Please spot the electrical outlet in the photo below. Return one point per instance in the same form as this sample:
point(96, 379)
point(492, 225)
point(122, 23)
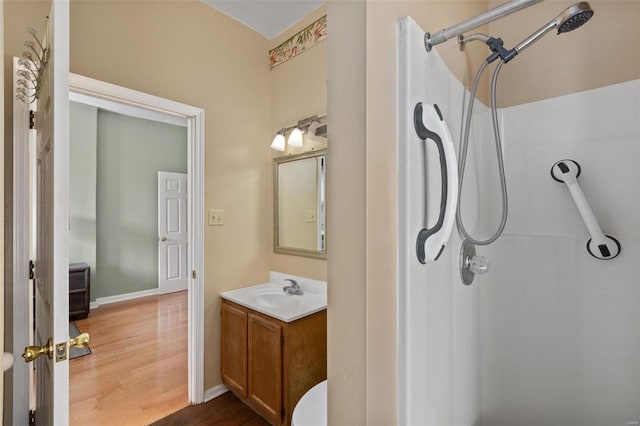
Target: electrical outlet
point(216, 217)
point(311, 216)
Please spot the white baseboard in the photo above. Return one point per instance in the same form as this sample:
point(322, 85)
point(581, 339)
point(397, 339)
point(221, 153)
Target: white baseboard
point(122, 297)
point(214, 392)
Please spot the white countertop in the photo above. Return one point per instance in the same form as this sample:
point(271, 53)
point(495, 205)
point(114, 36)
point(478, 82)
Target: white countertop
point(271, 300)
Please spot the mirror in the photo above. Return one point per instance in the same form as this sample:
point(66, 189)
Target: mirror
point(300, 204)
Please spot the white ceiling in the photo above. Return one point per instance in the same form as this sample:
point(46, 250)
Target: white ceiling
point(267, 17)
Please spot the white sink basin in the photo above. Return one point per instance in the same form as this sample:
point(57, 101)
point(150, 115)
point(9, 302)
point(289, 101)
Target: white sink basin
point(269, 299)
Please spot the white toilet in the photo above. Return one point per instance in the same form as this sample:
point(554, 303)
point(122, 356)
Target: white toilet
point(311, 410)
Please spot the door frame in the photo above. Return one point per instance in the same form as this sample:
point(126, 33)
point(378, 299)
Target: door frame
point(141, 105)
point(122, 100)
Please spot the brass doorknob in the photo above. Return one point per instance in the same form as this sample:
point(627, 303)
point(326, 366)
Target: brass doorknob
point(163, 239)
point(82, 341)
point(33, 352)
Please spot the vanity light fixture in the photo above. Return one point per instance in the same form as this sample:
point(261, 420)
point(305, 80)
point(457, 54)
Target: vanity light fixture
point(278, 142)
point(295, 138)
point(309, 125)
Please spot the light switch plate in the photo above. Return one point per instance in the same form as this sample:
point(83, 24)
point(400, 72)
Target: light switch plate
point(216, 217)
point(311, 216)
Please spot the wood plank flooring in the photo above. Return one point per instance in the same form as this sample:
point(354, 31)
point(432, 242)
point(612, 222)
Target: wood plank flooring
point(137, 373)
point(225, 410)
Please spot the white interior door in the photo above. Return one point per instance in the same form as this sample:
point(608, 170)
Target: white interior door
point(52, 283)
point(172, 232)
point(24, 142)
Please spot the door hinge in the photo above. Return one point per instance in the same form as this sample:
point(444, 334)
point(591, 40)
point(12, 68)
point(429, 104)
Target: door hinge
point(32, 119)
point(281, 340)
point(193, 274)
point(32, 270)
point(32, 417)
point(282, 412)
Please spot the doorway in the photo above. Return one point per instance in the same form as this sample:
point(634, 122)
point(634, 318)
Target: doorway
point(114, 231)
point(131, 102)
point(142, 105)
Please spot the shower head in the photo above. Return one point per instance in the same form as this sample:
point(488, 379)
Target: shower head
point(574, 17)
point(570, 19)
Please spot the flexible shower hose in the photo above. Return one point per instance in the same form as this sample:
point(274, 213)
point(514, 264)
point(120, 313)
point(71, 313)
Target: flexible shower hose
point(464, 144)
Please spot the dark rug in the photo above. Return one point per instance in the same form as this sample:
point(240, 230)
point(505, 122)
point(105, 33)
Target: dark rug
point(76, 352)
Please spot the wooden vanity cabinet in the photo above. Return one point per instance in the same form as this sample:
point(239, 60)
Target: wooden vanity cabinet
point(265, 366)
point(281, 360)
point(234, 348)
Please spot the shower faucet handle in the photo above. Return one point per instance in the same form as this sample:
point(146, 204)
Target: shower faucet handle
point(470, 264)
point(478, 264)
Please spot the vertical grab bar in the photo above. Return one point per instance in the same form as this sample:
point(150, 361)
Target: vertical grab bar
point(600, 246)
point(430, 125)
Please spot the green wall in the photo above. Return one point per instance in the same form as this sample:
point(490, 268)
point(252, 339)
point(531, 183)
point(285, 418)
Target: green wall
point(131, 151)
point(82, 185)
point(113, 205)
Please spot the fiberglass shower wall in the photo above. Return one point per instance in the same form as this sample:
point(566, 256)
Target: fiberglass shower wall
point(438, 328)
point(551, 336)
point(560, 329)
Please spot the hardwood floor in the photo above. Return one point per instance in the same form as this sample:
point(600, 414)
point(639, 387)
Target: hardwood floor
point(225, 410)
point(137, 373)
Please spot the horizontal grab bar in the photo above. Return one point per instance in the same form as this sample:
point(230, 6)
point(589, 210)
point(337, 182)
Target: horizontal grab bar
point(600, 246)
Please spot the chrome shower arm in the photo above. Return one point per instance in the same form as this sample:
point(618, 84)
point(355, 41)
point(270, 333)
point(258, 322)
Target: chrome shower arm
point(535, 36)
point(477, 21)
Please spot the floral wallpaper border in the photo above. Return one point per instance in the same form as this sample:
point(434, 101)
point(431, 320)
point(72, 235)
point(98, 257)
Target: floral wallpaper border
point(299, 42)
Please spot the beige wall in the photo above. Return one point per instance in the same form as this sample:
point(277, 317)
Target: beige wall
point(298, 90)
point(346, 216)
point(190, 53)
point(594, 55)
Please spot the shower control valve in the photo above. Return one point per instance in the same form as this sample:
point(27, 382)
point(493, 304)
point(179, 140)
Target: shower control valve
point(479, 265)
point(470, 264)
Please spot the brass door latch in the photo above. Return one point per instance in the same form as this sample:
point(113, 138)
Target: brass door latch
point(31, 353)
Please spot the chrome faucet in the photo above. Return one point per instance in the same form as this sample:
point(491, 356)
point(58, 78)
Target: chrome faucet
point(293, 289)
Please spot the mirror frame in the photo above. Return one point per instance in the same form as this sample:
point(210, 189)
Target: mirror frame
point(315, 254)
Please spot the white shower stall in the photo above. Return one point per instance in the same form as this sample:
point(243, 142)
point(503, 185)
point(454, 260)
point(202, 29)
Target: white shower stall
point(551, 335)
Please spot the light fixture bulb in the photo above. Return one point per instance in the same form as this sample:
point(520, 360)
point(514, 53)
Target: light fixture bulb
point(278, 142)
point(295, 138)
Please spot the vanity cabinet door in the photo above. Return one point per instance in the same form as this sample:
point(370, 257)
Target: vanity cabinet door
point(234, 348)
point(265, 366)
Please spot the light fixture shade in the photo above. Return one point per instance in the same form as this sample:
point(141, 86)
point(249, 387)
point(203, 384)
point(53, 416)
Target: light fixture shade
point(295, 138)
point(278, 142)
point(311, 132)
